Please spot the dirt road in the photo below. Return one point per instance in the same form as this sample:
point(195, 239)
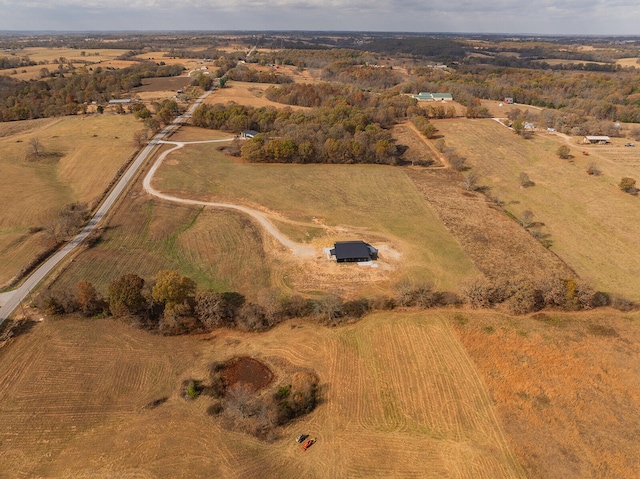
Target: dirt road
point(297, 248)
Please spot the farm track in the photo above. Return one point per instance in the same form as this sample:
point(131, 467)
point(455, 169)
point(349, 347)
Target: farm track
point(297, 248)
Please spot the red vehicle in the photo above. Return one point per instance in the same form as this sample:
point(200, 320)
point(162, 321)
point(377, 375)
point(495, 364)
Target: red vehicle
point(308, 443)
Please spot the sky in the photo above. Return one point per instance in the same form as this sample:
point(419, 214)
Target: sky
point(575, 17)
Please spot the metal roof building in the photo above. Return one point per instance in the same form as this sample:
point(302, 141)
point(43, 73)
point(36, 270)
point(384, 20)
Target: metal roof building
point(353, 251)
point(427, 96)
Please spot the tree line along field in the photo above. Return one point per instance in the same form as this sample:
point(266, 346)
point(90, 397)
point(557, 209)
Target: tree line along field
point(380, 415)
point(593, 225)
point(79, 158)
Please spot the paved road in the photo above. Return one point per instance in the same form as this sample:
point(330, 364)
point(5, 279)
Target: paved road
point(11, 302)
point(296, 248)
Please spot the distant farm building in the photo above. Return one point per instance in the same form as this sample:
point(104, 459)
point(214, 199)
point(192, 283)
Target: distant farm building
point(596, 140)
point(248, 134)
point(120, 102)
point(508, 101)
point(427, 96)
point(353, 252)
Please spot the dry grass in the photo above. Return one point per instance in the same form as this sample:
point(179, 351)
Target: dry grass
point(246, 93)
point(400, 398)
point(594, 226)
point(88, 153)
point(218, 249)
point(628, 62)
point(375, 203)
point(418, 148)
point(566, 387)
point(99, 57)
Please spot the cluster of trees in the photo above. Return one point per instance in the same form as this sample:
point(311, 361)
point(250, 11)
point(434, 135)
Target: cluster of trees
point(244, 73)
point(68, 95)
point(338, 134)
point(363, 76)
point(164, 111)
point(15, 62)
point(526, 295)
point(243, 409)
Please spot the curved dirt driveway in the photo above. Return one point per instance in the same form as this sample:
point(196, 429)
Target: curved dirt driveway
point(297, 248)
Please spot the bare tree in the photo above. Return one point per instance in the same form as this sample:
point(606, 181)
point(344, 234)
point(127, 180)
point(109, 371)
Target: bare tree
point(593, 169)
point(526, 219)
point(470, 181)
point(35, 146)
point(239, 396)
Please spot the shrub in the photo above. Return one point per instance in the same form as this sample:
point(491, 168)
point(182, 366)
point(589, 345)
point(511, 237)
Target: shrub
point(593, 169)
point(628, 185)
point(192, 390)
point(563, 152)
point(215, 409)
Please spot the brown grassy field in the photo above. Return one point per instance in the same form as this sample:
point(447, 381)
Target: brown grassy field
point(629, 62)
point(566, 387)
point(225, 250)
point(74, 397)
point(102, 57)
point(87, 152)
point(382, 206)
point(594, 226)
point(246, 93)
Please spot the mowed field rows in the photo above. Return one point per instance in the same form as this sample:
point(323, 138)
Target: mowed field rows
point(80, 156)
point(400, 398)
point(375, 203)
point(594, 227)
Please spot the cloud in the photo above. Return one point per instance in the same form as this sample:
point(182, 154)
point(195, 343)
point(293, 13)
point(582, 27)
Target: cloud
point(500, 16)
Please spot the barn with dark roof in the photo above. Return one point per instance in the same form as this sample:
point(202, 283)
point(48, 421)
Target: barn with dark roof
point(353, 252)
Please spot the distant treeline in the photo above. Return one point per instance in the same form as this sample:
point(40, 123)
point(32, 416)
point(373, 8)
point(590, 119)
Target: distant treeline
point(438, 49)
point(67, 95)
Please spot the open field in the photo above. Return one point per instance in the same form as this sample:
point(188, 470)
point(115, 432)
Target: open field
point(629, 62)
point(566, 387)
point(382, 206)
point(594, 226)
point(400, 398)
point(81, 156)
point(498, 111)
point(45, 56)
point(155, 89)
point(246, 93)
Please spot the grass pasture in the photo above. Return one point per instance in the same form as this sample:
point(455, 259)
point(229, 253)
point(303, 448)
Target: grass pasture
point(372, 202)
point(217, 249)
point(566, 387)
point(46, 56)
point(246, 93)
point(594, 226)
point(87, 384)
point(81, 156)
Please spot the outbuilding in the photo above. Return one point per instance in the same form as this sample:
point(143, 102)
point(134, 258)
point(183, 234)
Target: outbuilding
point(596, 140)
point(427, 96)
point(353, 251)
point(248, 134)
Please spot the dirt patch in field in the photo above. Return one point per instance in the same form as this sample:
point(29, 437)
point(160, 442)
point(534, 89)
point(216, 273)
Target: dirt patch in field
point(246, 370)
point(498, 246)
